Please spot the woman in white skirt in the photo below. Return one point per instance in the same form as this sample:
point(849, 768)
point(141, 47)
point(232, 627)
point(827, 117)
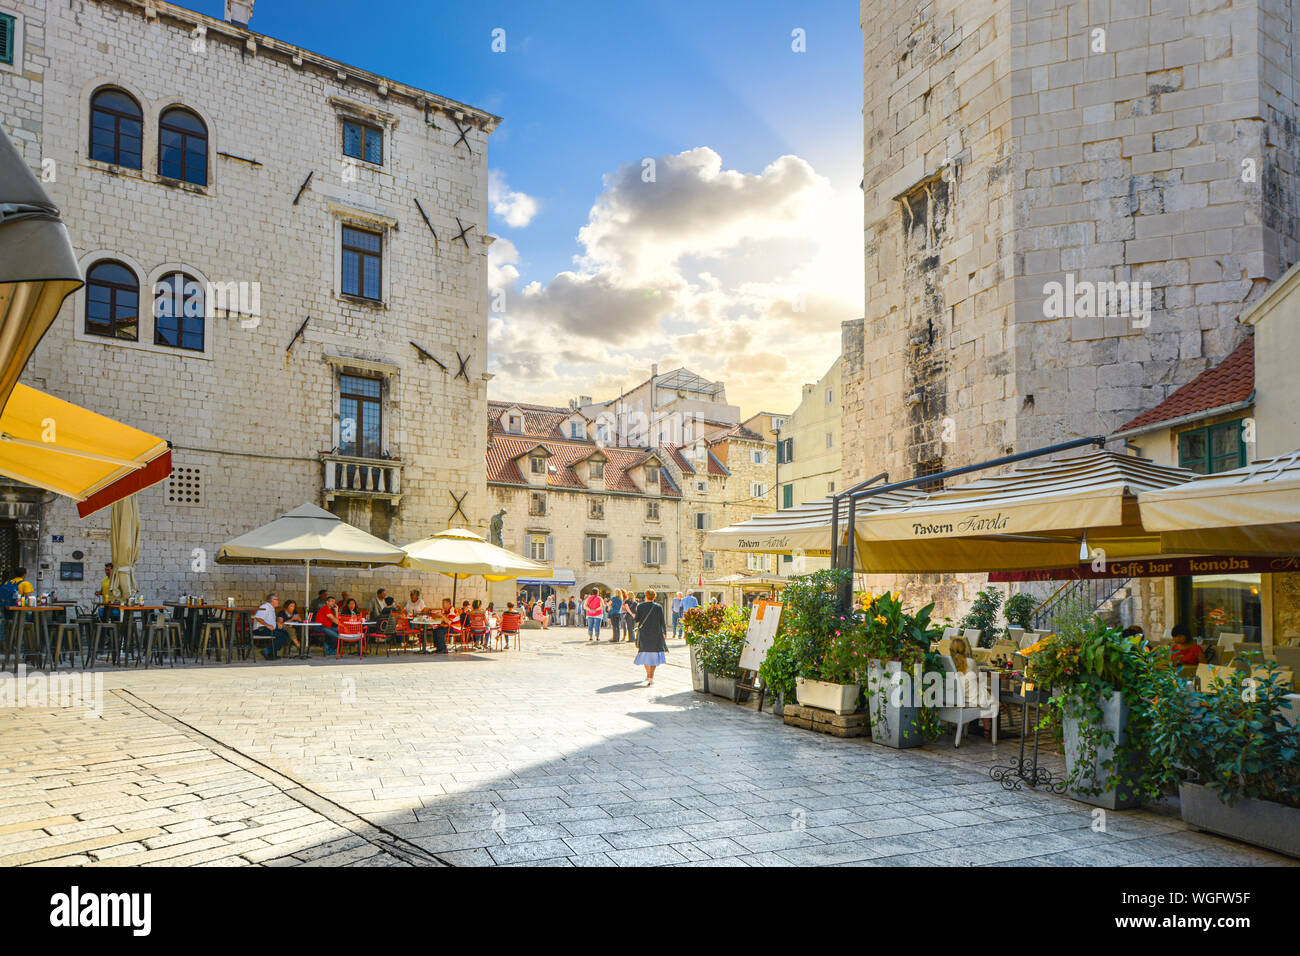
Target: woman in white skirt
point(651, 648)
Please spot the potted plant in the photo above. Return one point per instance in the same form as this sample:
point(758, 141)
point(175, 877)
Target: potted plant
point(1019, 611)
point(1236, 758)
point(780, 669)
point(1104, 690)
point(817, 636)
point(983, 615)
point(897, 650)
point(697, 623)
point(717, 636)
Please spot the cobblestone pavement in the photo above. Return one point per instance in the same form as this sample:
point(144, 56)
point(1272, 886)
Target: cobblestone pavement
point(552, 755)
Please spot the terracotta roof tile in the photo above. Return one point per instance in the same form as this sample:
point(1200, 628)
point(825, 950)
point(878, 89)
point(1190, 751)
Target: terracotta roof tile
point(1231, 381)
point(565, 454)
point(542, 421)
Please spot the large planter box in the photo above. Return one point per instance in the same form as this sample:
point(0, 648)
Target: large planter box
point(699, 680)
point(893, 726)
point(1114, 719)
point(722, 686)
point(1261, 822)
point(825, 722)
point(837, 698)
point(778, 704)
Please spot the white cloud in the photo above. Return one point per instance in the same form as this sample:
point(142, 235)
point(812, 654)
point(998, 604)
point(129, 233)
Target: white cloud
point(516, 209)
point(739, 276)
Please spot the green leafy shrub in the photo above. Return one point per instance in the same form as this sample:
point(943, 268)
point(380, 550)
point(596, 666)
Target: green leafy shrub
point(717, 632)
point(1232, 738)
point(1019, 610)
point(983, 615)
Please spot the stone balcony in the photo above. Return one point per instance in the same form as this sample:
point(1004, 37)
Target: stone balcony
point(346, 476)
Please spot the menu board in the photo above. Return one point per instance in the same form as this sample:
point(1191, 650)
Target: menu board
point(764, 617)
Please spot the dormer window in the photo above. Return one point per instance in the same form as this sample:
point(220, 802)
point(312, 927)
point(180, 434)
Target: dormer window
point(652, 474)
point(597, 468)
point(515, 423)
point(537, 464)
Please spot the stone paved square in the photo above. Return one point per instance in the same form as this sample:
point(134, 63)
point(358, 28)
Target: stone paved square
point(552, 755)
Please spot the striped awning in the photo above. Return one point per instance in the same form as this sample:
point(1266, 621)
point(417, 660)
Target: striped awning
point(1251, 510)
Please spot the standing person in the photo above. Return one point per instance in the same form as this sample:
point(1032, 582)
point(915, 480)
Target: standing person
point(594, 609)
point(652, 650)
point(550, 609)
point(629, 615)
point(327, 619)
point(562, 613)
point(265, 625)
point(689, 602)
point(573, 612)
point(616, 615)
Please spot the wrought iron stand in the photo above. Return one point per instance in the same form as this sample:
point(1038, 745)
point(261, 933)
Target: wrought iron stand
point(1024, 770)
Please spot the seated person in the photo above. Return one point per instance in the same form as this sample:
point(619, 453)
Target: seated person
point(511, 621)
point(1184, 652)
point(415, 605)
point(477, 622)
point(327, 619)
point(266, 625)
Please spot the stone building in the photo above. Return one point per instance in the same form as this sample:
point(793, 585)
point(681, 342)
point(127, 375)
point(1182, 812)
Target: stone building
point(808, 447)
point(1066, 205)
point(608, 516)
point(264, 287)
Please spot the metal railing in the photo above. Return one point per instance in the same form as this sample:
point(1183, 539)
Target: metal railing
point(1092, 591)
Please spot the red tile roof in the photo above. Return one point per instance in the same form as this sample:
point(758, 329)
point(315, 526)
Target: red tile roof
point(542, 421)
point(565, 454)
point(1229, 382)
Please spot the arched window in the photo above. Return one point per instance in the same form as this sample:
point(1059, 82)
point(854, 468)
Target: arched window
point(178, 312)
point(116, 128)
point(112, 301)
point(182, 146)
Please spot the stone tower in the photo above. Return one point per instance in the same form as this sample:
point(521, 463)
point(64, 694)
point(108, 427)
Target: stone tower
point(1010, 145)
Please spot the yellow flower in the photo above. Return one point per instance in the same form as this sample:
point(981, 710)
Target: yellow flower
point(1034, 648)
point(881, 619)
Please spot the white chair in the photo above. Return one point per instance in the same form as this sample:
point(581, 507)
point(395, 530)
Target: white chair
point(972, 635)
point(1016, 633)
point(950, 632)
point(957, 705)
point(1028, 639)
point(1228, 640)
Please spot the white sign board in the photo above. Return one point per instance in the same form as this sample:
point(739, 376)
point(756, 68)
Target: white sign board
point(764, 616)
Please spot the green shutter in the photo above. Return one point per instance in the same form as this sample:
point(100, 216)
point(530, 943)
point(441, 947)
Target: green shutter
point(7, 24)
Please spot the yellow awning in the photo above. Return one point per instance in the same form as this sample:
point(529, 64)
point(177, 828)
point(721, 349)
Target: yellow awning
point(1251, 510)
point(72, 451)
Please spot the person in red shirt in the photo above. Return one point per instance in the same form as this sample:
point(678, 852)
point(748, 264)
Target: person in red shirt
point(511, 622)
point(477, 621)
point(1185, 653)
point(327, 619)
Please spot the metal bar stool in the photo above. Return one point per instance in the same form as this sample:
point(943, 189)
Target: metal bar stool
point(72, 631)
point(211, 629)
point(156, 627)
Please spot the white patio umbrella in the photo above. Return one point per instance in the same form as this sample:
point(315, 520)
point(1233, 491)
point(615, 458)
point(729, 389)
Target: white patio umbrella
point(459, 553)
point(310, 535)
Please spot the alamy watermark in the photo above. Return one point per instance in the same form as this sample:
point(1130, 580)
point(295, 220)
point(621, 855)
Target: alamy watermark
point(42, 690)
point(178, 296)
point(1086, 299)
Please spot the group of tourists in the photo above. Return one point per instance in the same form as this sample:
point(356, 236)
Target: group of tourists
point(342, 617)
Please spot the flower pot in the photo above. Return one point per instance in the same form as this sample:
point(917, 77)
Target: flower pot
point(699, 681)
point(1273, 826)
point(722, 686)
point(893, 725)
point(1114, 719)
point(839, 698)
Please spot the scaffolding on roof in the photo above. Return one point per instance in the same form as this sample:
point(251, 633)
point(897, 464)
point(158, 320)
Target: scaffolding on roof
point(683, 379)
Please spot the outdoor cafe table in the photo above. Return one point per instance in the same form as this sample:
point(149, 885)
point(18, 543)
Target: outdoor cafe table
point(39, 614)
point(304, 644)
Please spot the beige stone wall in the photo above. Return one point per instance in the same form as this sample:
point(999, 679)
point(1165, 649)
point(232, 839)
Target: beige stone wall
point(251, 420)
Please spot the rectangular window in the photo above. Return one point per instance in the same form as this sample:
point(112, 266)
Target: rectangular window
point(537, 465)
point(597, 548)
point(362, 141)
point(363, 256)
point(830, 396)
point(536, 504)
point(538, 547)
point(830, 440)
point(654, 551)
point(757, 489)
point(515, 424)
point(703, 521)
point(830, 487)
point(8, 26)
point(652, 510)
point(597, 508)
point(932, 467)
point(360, 416)
point(758, 457)
point(787, 496)
point(597, 469)
point(651, 475)
point(702, 487)
point(1213, 449)
point(707, 558)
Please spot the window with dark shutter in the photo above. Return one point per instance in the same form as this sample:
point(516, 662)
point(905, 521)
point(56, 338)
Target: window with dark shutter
point(7, 28)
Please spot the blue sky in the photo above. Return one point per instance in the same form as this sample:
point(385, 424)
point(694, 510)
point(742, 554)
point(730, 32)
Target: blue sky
point(587, 87)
